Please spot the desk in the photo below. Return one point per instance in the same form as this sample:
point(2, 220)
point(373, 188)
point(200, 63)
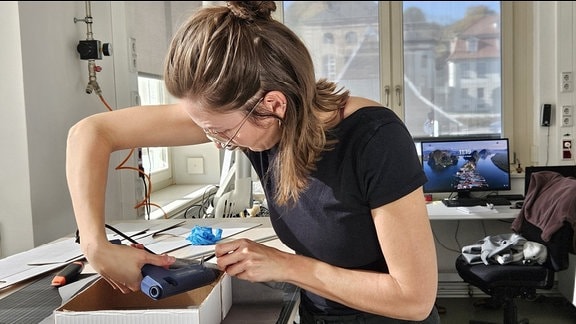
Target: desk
point(280, 306)
point(264, 233)
point(438, 211)
point(453, 229)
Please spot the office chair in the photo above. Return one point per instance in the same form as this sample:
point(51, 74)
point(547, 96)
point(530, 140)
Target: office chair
point(504, 283)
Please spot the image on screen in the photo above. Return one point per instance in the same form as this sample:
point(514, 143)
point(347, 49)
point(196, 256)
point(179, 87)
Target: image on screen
point(465, 165)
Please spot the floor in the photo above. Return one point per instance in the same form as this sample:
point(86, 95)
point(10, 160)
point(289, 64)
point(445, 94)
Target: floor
point(544, 310)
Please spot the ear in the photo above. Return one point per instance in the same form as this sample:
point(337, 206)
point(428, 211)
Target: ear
point(275, 101)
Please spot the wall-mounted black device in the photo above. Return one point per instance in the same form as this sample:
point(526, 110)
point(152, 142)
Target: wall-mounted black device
point(545, 115)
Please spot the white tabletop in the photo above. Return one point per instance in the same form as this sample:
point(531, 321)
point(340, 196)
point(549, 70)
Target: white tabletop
point(438, 211)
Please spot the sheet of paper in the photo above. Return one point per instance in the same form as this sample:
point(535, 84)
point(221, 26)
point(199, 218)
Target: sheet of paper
point(49, 257)
point(58, 252)
point(139, 230)
point(476, 210)
point(36, 261)
point(180, 234)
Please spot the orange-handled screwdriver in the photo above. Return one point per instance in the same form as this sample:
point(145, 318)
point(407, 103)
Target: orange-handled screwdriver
point(68, 274)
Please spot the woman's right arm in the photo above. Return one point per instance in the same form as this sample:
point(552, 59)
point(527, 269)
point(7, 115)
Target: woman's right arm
point(90, 143)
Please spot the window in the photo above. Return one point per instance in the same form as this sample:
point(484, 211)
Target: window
point(328, 38)
point(329, 64)
point(441, 45)
point(351, 38)
point(352, 56)
point(155, 160)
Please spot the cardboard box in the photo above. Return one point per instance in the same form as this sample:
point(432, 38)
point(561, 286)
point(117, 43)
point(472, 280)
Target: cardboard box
point(100, 303)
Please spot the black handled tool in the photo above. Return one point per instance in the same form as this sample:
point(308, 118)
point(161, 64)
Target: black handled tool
point(68, 274)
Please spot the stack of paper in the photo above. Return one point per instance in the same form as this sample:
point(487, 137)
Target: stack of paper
point(477, 209)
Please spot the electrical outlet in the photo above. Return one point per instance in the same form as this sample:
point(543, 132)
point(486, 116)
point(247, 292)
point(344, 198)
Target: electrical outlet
point(567, 117)
point(566, 82)
point(132, 55)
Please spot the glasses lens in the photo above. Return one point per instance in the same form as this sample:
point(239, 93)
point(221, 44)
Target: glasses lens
point(226, 143)
point(222, 142)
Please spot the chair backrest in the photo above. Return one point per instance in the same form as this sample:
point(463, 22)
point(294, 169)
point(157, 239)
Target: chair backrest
point(561, 243)
point(565, 170)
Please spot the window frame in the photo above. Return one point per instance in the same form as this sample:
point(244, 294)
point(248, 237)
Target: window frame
point(516, 59)
point(163, 177)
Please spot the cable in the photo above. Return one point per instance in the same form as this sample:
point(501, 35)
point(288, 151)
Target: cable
point(126, 237)
point(113, 229)
point(145, 203)
point(192, 206)
point(204, 203)
point(547, 146)
point(148, 202)
point(90, 50)
point(442, 244)
point(264, 212)
point(206, 200)
point(456, 235)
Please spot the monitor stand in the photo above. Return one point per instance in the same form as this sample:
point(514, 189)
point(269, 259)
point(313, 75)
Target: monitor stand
point(463, 199)
point(464, 195)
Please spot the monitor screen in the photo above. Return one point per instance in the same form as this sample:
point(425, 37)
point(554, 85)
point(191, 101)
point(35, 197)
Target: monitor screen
point(465, 165)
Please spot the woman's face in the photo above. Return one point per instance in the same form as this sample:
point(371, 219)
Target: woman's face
point(235, 129)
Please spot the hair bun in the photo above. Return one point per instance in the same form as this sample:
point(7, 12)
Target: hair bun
point(252, 10)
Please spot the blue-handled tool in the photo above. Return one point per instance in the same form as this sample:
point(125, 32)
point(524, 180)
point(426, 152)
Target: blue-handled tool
point(183, 276)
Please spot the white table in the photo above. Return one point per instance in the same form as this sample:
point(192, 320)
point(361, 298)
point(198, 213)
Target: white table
point(438, 211)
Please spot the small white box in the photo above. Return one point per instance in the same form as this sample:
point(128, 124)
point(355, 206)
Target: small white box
point(101, 304)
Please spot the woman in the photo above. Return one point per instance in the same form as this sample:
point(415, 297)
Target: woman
point(340, 173)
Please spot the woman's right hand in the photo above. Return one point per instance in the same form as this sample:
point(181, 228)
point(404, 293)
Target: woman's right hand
point(121, 264)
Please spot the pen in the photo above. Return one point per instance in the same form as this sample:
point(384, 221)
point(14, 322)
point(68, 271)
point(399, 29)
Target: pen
point(68, 274)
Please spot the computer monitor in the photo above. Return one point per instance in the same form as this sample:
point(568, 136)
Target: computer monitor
point(463, 166)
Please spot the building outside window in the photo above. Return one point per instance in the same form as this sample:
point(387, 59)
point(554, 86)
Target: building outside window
point(442, 42)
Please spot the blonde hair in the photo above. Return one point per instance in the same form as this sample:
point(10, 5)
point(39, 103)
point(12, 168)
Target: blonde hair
point(228, 57)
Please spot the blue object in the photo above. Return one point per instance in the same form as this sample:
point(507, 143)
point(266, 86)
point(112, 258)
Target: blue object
point(160, 283)
point(201, 235)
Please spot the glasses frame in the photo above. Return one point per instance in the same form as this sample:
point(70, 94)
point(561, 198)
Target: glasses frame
point(227, 142)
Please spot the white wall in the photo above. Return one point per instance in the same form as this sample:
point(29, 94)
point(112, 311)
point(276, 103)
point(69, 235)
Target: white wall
point(43, 95)
point(163, 19)
point(15, 214)
point(554, 53)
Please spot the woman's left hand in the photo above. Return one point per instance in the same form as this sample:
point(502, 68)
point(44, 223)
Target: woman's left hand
point(252, 261)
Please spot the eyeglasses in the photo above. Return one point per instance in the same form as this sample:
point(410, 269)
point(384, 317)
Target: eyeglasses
point(224, 141)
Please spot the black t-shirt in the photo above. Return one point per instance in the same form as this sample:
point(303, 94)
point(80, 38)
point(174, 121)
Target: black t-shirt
point(374, 163)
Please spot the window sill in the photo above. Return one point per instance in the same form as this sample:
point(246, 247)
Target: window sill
point(175, 199)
